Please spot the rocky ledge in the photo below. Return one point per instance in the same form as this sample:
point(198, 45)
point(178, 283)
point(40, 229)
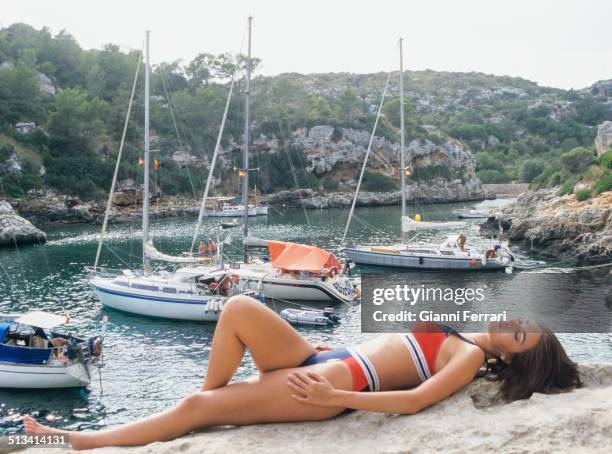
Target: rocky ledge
point(473, 420)
point(45, 207)
point(16, 230)
point(560, 226)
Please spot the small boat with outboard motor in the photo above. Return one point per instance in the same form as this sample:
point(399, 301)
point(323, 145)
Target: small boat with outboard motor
point(33, 355)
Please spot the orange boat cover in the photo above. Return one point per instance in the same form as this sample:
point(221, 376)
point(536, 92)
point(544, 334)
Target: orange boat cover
point(300, 257)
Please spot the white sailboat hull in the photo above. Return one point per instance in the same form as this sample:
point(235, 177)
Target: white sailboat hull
point(409, 225)
point(202, 308)
point(264, 279)
point(305, 291)
point(29, 376)
point(422, 262)
point(230, 213)
point(473, 215)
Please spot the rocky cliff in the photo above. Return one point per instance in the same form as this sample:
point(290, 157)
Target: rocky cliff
point(16, 230)
point(562, 227)
point(338, 153)
point(603, 141)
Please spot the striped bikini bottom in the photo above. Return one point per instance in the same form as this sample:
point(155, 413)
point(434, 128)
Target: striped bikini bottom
point(363, 373)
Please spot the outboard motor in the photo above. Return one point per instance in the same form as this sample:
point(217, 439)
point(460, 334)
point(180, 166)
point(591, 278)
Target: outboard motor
point(95, 346)
point(347, 267)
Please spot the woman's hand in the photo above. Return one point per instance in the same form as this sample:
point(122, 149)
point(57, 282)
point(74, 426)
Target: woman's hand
point(311, 388)
point(322, 348)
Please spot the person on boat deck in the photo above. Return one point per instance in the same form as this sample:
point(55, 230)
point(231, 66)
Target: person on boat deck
point(202, 249)
point(492, 251)
point(298, 381)
point(41, 340)
point(461, 242)
point(212, 247)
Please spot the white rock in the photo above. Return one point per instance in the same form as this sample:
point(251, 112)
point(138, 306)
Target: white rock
point(603, 141)
point(16, 230)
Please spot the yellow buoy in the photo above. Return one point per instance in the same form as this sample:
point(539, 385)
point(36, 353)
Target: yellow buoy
point(417, 218)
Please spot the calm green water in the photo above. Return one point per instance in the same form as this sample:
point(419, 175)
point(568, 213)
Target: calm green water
point(150, 364)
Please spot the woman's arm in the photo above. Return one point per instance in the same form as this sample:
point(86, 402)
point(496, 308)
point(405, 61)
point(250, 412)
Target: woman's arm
point(314, 389)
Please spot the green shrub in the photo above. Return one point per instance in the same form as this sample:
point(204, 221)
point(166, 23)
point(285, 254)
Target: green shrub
point(583, 194)
point(329, 184)
point(6, 150)
point(531, 169)
point(17, 184)
point(577, 160)
point(605, 160)
point(491, 176)
point(568, 186)
point(377, 182)
point(603, 184)
point(485, 161)
point(430, 172)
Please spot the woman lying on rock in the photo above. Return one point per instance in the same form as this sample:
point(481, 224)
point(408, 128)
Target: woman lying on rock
point(300, 382)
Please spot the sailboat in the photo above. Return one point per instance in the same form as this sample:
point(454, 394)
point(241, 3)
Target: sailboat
point(295, 271)
point(198, 289)
point(33, 355)
point(198, 297)
point(451, 254)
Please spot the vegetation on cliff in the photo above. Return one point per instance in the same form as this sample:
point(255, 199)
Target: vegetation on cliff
point(77, 99)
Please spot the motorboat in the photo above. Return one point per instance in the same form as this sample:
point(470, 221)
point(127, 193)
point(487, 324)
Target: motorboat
point(231, 211)
point(35, 356)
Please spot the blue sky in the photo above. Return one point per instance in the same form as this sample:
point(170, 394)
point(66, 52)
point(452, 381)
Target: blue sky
point(563, 43)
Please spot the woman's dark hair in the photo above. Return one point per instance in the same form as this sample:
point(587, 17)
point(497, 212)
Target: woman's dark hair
point(545, 368)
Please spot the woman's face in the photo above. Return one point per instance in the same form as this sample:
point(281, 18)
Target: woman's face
point(513, 336)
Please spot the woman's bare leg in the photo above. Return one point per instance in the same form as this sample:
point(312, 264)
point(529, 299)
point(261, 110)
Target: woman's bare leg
point(247, 323)
point(262, 399)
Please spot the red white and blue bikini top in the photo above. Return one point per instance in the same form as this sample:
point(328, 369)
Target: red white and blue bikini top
point(424, 341)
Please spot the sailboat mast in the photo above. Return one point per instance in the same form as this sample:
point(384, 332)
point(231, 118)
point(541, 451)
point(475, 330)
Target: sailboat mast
point(245, 159)
point(403, 132)
point(145, 201)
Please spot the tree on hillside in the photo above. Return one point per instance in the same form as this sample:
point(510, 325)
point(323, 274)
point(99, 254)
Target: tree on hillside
point(205, 68)
point(76, 119)
point(531, 169)
point(348, 106)
point(200, 70)
point(391, 110)
point(19, 94)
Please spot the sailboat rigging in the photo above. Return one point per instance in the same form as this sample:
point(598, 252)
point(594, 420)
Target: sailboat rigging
point(450, 254)
point(200, 297)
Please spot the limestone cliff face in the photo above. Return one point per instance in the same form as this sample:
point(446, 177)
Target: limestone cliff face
point(603, 141)
point(339, 153)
